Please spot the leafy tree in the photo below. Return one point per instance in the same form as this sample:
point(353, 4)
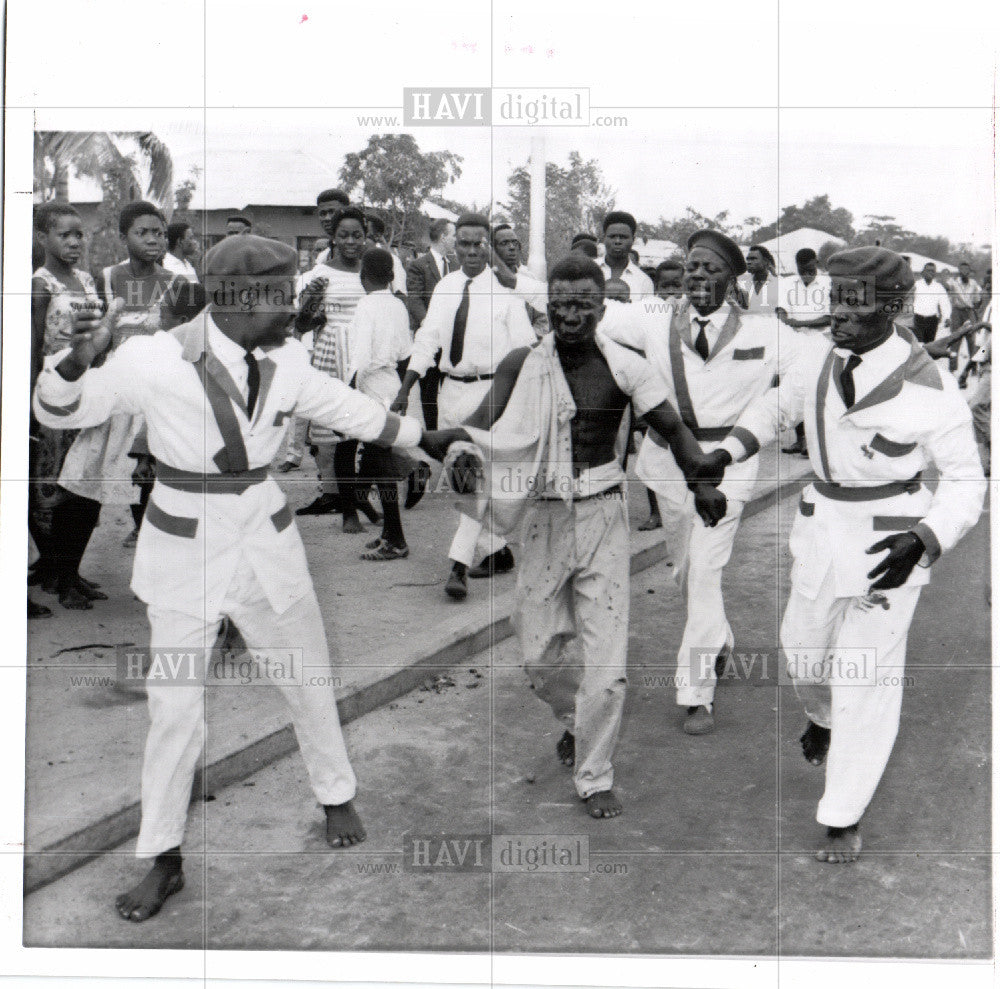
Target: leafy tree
point(94, 154)
point(117, 162)
point(184, 192)
point(576, 198)
point(816, 213)
point(393, 174)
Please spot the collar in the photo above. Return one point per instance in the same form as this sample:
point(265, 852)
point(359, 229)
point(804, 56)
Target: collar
point(716, 320)
point(889, 354)
point(228, 351)
point(202, 334)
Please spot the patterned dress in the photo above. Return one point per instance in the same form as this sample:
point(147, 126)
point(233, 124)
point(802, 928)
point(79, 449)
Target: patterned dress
point(98, 465)
point(331, 349)
point(49, 447)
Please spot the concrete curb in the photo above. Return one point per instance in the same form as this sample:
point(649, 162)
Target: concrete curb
point(59, 858)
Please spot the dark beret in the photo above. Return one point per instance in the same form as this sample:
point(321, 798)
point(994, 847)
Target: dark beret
point(887, 271)
point(720, 244)
point(251, 255)
point(473, 220)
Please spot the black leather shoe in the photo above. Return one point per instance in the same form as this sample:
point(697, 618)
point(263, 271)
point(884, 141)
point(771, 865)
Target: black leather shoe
point(502, 561)
point(325, 504)
point(457, 587)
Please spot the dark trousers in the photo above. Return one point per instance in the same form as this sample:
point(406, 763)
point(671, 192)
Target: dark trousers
point(73, 522)
point(376, 468)
point(959, 317)
point(925, 328)
point(138, 511)
point(345, 471)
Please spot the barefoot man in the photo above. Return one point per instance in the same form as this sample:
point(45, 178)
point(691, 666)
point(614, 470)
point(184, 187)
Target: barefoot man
point(544, 440)
point(877, 412)
point(219, 538)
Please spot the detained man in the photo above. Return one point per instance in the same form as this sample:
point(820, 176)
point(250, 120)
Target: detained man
point(543, 444)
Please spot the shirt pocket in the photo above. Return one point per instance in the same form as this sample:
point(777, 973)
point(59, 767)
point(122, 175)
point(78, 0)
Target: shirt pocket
point(890, 448)
point(748, 354)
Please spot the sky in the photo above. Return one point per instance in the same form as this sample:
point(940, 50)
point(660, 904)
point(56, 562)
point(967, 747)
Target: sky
point(749, 162)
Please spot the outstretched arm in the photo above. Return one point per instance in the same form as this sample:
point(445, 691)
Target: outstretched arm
point(436, 443)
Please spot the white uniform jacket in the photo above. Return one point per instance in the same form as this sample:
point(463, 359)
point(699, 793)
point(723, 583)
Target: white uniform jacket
point(213, 503)
point(869, 459)
point(709, 395)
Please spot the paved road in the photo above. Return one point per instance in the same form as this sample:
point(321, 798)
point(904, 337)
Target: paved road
point(713, 853)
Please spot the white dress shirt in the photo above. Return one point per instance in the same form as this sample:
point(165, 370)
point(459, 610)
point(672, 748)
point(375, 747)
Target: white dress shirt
point(638, 282)
point(180, 266)
point(805, 301)
point(931, 299)
point(439, 260)
point(497, 324)
point(379, 340)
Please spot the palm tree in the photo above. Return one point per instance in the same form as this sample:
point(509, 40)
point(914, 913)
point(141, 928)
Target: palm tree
point(94, 155)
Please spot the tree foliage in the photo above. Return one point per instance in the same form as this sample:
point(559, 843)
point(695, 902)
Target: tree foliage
point(94, 154)
point(394, 175)
point(816, 213)
point(576, 199)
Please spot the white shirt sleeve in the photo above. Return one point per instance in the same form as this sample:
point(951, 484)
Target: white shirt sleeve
point(329, 402)
point(636, 377)
point(958, 498)
point(778, 408)
point(519, 329)
point(435, 329)
point(532, 291)
point(100, 392)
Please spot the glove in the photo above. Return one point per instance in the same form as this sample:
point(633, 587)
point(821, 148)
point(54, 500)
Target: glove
point(905, 550)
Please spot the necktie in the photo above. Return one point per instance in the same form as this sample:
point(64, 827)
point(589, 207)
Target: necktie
point(701, 341)
point(458, 333)
point(253, 382)
point(445, 269)
point(847, 379)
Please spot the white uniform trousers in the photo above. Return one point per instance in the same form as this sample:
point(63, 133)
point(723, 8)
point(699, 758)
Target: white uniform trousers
point(177, 713)
point(705, 553)
point(571, 619)
point(846, 657)
point(457, 400)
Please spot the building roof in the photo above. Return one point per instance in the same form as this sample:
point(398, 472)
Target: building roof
point(786, 246)
point(652, 251)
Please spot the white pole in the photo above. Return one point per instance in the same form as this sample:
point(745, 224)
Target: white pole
point(536, 222)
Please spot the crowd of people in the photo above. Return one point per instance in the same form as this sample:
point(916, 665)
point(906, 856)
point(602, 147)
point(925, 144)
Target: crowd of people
point(157, 386)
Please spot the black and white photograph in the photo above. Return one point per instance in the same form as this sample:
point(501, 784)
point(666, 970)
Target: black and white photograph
point(502, 497)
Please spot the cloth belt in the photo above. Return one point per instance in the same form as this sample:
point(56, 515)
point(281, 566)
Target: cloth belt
point(615, 492)
point(840, 492)
point(468, 379)
point(189, 480)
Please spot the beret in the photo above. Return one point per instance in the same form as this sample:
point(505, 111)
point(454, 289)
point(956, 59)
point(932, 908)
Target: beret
point(251, 255)
point(887, 271)
point(473, 220)
point(720, 244)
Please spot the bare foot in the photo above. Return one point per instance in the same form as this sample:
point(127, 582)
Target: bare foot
point(566, 749)
point(352, 524)
point(145, 900)
point(73, 598)
point(343, 826)
point(815, 743)
point(842, 845)
point(604, 804)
